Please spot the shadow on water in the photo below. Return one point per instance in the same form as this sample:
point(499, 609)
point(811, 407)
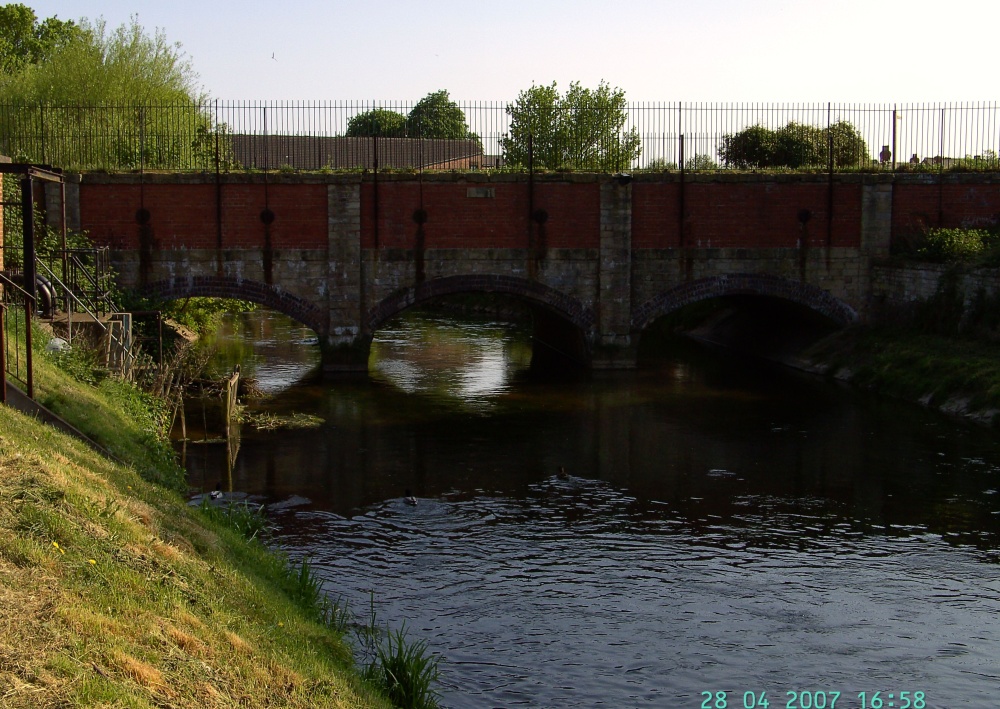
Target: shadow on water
point(723, 522)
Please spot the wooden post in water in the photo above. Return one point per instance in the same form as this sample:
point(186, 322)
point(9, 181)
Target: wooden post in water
point(232, 435)
point(232, 386)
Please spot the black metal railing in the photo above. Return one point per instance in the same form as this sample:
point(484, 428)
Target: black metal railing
point(346, 135)
point(15, 334)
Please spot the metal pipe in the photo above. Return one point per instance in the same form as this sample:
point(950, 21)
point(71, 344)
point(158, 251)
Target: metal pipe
point(531, 192)
point(680, 198)
point(218, 197)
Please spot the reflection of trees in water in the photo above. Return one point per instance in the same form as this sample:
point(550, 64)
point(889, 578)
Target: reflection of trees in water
point(259, 341)
point(460, 359)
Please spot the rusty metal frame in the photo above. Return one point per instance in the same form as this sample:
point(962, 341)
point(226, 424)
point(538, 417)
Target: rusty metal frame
point(29, 172)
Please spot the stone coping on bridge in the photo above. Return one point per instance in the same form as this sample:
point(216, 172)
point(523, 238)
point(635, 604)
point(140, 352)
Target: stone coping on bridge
point(354, 177)
point(332, 177)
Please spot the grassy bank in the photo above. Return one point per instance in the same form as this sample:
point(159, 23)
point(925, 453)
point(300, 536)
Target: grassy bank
point(957, 376)
point(113, 591)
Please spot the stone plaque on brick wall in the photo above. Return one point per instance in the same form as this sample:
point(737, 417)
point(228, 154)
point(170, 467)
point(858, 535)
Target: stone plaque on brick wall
point(481, 192)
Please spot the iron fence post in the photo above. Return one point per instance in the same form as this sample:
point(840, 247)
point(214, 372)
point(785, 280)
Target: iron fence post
point(41, 124)
point(895, 121)
point(3, 353)
point(28, 357)
point(28, 226)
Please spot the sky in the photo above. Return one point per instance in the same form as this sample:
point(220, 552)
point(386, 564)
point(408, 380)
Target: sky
point(870, 51)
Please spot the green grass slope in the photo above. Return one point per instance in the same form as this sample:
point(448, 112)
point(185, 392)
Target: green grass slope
point(115, 592)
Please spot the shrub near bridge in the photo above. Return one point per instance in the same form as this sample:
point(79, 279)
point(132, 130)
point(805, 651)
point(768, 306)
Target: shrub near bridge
point(958, 245)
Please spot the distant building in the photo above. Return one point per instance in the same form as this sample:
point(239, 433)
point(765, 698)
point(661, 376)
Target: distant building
point(303, 152)
point(944, 163)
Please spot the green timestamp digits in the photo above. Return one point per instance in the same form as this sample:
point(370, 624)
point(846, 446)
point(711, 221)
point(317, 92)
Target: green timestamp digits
point(901, 700)
point(816, 700)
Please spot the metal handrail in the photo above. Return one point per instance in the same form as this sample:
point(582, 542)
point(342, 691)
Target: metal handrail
point(130, 357)
point(70, 293)
point(75, 259)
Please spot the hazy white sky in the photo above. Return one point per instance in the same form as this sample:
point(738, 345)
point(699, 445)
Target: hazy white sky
point(694, 50)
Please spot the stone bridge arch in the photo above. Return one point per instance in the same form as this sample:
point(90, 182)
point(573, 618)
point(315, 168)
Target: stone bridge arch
point(567, 307)
point(309, 314)
point(774, 286)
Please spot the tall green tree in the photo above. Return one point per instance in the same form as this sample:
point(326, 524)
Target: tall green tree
point(24, 40)
point(849, 148)
point(134, 91)
point(798, 145)
point(125, 65)
point(378, 122)
point(583, 129)
point(437, 116)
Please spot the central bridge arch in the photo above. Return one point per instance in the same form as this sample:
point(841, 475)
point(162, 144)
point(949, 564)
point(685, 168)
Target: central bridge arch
point(804, 294)
point(240, 289)
point(556, 302)
point(563, 326)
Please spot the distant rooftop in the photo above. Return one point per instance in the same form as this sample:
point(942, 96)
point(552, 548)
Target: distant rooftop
point(302, 152)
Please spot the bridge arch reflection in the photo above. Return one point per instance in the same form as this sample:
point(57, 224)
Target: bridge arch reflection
point(563, 326)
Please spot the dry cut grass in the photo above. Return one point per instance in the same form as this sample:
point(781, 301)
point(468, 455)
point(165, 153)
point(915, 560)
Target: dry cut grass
point(113, 592)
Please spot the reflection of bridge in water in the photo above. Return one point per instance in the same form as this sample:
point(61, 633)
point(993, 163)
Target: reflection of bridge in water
point(597, 257)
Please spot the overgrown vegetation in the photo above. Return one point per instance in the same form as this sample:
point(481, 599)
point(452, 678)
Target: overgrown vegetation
point(48, 241)
point(404, 670)
point(943, 352)
point(961, 376)
point(267, 421)
point(200, 315)
point(969, 247)
point(58, 78)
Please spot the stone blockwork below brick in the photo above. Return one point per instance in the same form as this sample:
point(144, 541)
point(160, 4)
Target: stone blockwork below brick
point(605, 254)
point(899, 287)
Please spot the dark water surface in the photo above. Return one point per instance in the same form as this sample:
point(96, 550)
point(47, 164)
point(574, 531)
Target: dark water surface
point(725, 526)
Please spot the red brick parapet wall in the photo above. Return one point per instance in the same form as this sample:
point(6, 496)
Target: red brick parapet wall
point(721, 210)
point(184, 215)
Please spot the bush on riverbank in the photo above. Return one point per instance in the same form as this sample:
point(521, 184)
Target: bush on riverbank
point(113, 591)
point(958, 376)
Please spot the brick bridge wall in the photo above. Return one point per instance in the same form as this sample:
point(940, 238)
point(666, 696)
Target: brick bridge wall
point(343, 253)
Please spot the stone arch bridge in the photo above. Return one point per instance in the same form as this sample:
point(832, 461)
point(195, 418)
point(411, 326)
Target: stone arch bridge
point(598, 257)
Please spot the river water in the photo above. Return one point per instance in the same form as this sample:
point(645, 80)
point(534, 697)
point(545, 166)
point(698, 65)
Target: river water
point(721, 526)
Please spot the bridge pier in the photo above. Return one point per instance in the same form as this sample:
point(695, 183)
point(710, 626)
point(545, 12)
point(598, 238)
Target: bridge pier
point(345, 345)
point(345, 357)
point(613, 347)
